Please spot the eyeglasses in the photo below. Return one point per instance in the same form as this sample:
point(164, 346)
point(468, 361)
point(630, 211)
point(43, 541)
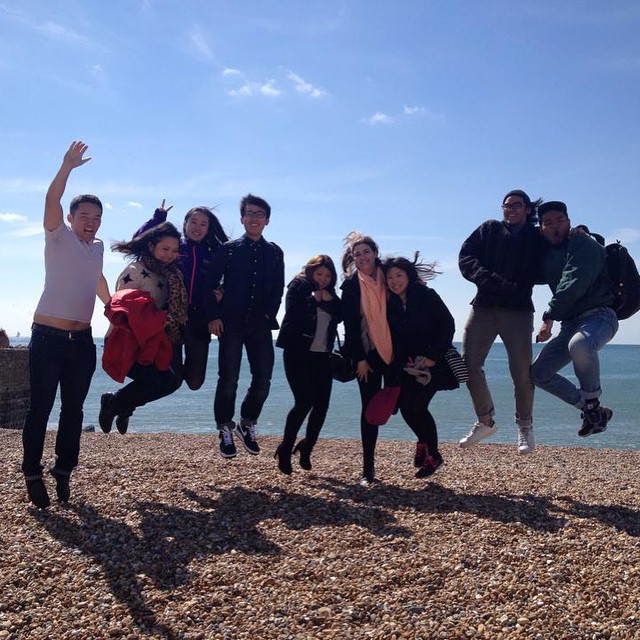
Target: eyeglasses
point(260, 215)
point(516, 206)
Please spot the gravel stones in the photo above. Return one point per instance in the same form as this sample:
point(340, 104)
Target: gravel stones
point(164, 539)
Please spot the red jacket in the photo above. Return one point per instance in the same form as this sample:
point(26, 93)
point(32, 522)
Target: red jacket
point(136, 334)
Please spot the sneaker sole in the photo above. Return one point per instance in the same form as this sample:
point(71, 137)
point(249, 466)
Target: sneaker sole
point(228, 456)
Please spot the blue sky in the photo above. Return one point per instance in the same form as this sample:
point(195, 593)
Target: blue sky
point(407, 120)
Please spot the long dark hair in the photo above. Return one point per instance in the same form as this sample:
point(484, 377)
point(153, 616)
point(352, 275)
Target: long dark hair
point(416, 270)
point(142, 246)
point(215, 233)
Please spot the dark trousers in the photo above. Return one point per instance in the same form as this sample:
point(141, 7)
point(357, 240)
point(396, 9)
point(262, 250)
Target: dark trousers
point(309, 376)
point(368, 431)
point(193, 368)
point(414, 406)
point(147, 384)
point(68, 360)
point(259, 347)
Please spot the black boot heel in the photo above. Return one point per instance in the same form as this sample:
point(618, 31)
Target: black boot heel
point(284, 461)
point(305, 454)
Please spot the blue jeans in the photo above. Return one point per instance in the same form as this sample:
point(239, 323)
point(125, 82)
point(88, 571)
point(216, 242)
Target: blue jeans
point(258, 343)
point(62, 358)
point(579, 341)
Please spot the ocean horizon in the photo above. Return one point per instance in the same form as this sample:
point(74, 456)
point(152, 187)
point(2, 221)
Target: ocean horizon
point(555, 423)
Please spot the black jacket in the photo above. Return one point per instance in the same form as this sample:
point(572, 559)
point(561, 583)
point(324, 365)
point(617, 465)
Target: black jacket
point(424, 327)
point(301, 313)
point(232, 265)
point(352, 315)
point(503, 265)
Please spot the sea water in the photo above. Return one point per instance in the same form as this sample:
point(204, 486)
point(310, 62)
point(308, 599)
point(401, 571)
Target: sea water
point(555, 422)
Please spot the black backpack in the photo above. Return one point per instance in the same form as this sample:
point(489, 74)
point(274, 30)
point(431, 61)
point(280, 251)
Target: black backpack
point(625, 279)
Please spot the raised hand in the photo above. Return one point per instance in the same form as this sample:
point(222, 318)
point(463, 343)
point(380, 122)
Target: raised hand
point(163, 208)
point(74, 156)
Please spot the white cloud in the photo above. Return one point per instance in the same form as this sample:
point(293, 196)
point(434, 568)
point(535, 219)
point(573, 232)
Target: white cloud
point(200, 46)
point(378, 118)
point(250, 89)
point(28, 231)
point(228, 73)
point(135, 205)
point(50, 29)
point(12, 217)
point(412, 111)
point(302, 86)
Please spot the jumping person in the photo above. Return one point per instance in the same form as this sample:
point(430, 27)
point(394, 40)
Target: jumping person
point(307, 335)
point(575, 269)
point(503, 258)
point(153, 269)
point(61, 351)
point(251, 273)
point(202, 236)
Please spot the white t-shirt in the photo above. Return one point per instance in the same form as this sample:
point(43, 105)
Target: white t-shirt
point(72, 269)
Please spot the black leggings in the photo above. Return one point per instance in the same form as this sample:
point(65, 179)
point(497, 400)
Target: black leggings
point(414, 406)
point(309, 376)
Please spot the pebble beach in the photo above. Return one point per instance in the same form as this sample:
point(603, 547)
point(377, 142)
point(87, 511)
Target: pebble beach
point(164, 539)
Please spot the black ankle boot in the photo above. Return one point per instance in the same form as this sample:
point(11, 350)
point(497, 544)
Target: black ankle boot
point(305, 454)
point(284, 460)
point(63, 491)
point(37, 491)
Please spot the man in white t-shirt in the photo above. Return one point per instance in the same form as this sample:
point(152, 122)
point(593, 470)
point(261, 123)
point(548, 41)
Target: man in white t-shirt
point(62, 352)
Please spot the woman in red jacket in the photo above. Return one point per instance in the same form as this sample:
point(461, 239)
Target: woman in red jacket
point(153, 269)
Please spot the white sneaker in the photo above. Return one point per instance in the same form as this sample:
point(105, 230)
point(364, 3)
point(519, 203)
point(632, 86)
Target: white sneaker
point(525, 439)
point(478, 432)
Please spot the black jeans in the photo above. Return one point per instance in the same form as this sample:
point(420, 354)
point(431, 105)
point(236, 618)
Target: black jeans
point(67, 359)
point(147, 384)
point(309, 376)
point(258, 343)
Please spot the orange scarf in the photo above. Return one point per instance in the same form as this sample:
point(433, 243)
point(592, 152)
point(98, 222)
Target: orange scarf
point(373, 296)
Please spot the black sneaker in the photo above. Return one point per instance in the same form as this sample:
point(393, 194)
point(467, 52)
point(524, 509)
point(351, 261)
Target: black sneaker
point(62, 484)
point(37, 491)
point(108, 411)
point(246, 429)
point(430, 465)
point(227, 447)
point(595, 421)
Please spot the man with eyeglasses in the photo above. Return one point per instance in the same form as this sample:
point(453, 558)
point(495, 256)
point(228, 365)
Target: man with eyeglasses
point(250, 271)
point(503, 258)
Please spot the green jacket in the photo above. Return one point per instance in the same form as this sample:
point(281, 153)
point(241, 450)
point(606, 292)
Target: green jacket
point(576, 271)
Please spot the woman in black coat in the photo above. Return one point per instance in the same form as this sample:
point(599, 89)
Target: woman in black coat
point(422, 330)
point(307, 334)
point(367, 343)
